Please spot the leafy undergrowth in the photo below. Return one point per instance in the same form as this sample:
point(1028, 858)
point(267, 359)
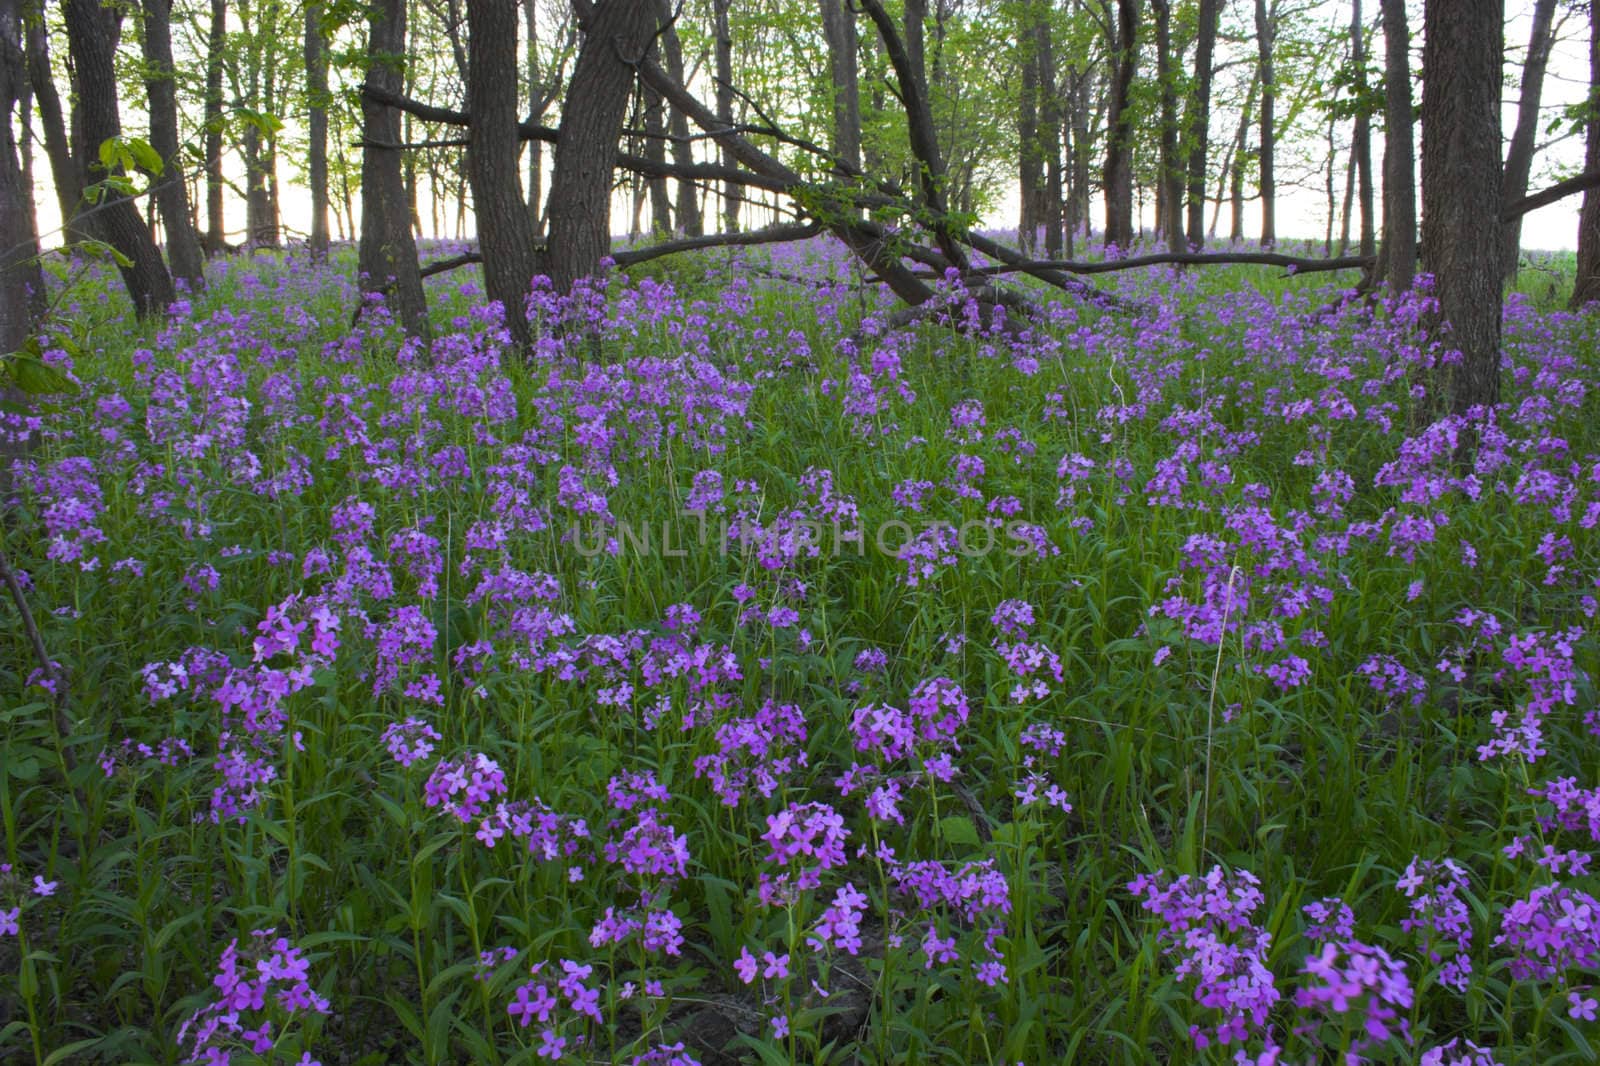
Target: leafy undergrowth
point(740, 679)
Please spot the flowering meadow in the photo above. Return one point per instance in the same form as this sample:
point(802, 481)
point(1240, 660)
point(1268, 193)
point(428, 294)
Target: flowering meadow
point(746, 676)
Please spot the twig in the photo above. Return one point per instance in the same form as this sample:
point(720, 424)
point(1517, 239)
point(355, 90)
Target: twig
point(52, 673)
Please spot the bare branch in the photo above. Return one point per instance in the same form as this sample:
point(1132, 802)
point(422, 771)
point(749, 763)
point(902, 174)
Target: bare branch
point(1014, 263)
point(1559, 191)
point(770, 235)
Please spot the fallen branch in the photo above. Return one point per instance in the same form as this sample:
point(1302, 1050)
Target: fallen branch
point(770, 235)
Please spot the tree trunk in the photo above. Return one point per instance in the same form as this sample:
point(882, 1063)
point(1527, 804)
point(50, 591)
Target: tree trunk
point(65, 168)
point(536, 94)
point(689, 220)
point(92, 33)
point(317, 97)
point(724, 97)
point(586, 149)
point(916, 17)
point(1118, 177)
point(1461, 181)
point(1361, 138)
point(1586, 286)
point(1519, 154)
point(839, 28)
point(269, 155)
point(1050, 136)
point(1267, 159)
point(1399, 165)
point(1200, 118)
point(505, 233)
point(1030, 155)
point(172, 190)
point(655, 149)
point(1081, 148)
point(1169, 216)
point(216, 48)
point(388, 255)
point(21, 283)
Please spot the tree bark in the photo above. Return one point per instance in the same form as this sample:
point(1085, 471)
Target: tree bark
point(724, 100)
point(1267, 160)
point(617, 32)
point(1050, 196)
point(172, 191)
point(92, 33)
point(536, 94)
point(1200, 118)
point(655, 149)
point(505, 233)
point(1118, 177)
point(1030, 154)
point(1361, 146)
point(21, 283)
point(1586, 286)
point(388, 253)
point(65, 167)
point(1519, 154)
point(1461, 182)
point(1169, 219)
point(216, 47)
point(1399, 161)
point(317, 97)
point(839, 29)
point(689, 220)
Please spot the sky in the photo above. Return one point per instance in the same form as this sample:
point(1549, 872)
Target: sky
point(1302, 209)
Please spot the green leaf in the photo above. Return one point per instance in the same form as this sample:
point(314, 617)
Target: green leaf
point(36, 377)
point(958, 829)
point(145, 157)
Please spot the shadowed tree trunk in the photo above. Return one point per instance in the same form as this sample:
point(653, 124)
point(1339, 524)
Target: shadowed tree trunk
point(615, 33)
point(216, 47)
point(317, 93)
point(724, 97)
point(1399, 161)
point(1519, 154)
point(1586, 287)
point(1030, 154)
point(1170, 216)
point(1118, 178)
point(655, 149)
point(1461, 244)
point(689, 220)
point(92, 33)
point(21, 283)
point(65, 168)
point(505, 233)
point(839, 29)
point(1050, 196)
point(388, 254)
point(1361, 138)
point(916, 19)
point(1267, 160)
point(536, 93)
point(172, 190)
point(1200, 118)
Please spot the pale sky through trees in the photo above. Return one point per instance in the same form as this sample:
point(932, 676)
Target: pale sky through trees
point(1302, 199)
